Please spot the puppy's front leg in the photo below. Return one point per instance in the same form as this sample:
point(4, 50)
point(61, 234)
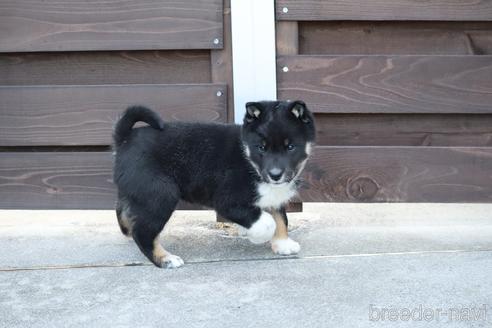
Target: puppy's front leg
point(281, 243)
point(259, 225)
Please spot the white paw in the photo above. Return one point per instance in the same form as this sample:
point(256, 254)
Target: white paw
point(285, 246)
point(262, 230)
point(172, 262)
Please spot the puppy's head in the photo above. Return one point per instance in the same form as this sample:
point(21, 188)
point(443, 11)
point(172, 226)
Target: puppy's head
point(277, 138)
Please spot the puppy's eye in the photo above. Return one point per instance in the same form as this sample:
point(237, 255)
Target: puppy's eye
point(291, 147)
point(261, 148)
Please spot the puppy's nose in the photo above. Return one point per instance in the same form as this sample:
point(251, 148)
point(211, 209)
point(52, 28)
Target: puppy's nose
point(275, 173)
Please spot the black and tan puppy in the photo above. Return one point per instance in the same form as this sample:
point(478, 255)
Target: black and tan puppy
point(246, 173)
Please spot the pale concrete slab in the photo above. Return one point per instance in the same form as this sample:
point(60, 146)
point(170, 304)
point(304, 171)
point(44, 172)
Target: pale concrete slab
point(70, 269)
point(47, 238)
point(322, 292)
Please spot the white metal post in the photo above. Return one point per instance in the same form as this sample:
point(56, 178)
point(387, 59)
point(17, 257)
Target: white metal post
point(253, 53)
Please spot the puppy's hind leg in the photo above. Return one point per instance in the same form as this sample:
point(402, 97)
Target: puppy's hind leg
point(148, 222)
point(123, 218)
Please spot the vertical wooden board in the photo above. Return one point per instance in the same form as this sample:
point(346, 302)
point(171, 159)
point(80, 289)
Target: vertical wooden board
point(108, 67)
point(399, 174)
point(221, 63)
point(438, 10)
point(388, 84)
point(294, 207)
point(85, 115)
point(115, 25)
point(287, 34)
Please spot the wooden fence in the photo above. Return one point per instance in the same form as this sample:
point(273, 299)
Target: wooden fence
point(69, 68)
point(402, 92)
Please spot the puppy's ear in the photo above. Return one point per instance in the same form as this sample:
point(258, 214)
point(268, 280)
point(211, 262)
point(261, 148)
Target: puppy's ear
point(299, 110)
point(253, 112)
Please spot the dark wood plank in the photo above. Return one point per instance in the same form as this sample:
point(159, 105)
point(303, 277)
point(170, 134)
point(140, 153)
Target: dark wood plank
point(395, 38)
point(115, 25)
point(115, 67)
point(84, 115)
point(56, 180)
point(59, 180)
point(343, 174)
point(404, 130)
point(388, 84)
point(294, 207)
point(455, 10)
point(399, 174)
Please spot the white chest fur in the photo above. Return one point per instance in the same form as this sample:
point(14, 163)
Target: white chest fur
point(274, 196)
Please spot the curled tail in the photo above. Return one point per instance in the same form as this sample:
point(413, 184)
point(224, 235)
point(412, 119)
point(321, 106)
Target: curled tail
point(131, 116)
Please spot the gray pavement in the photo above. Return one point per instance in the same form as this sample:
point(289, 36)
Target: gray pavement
point(358, 264)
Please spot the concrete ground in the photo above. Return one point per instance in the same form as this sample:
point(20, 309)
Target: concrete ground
point(375, 265)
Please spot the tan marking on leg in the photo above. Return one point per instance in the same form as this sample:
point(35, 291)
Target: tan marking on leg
point(126, 221)
point(159, 253)
point(280, 229)
point(281, 243)
point(163, 258)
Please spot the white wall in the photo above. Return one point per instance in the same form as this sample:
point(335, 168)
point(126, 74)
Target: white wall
point(253, 52)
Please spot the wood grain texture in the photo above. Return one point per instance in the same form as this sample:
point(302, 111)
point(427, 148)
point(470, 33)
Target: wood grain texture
point(115, 25)
point(115, 67)
point(84, 115)
point(399, 174)
point(344, 174)
point(59, 180)
point(395, 38)
point(56, 180)
point(444, 10)
point(388, 84)
point(465, 130)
